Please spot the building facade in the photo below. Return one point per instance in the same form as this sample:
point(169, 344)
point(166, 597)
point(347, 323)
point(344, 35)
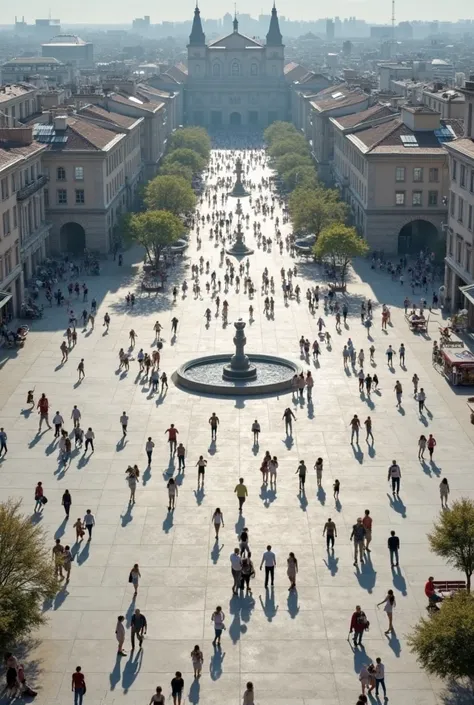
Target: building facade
point(236, 81)
point(24, 230)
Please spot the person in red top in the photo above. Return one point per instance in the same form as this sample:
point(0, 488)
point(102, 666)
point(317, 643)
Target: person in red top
point(359, 624)
point(39, 496)
point(431, 445)
point(43, 408)
point(430, 591)
point(78, 686)
point(172, 435)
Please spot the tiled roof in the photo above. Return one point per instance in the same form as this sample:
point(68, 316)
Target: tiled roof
point(14, 91)
point(375, 112)
point(142, 102)
point(464, 145)
point(386, 137)
point(99, 113)
point(32, 60)
point(326, 100)
point(11, 154)
point(96, 136)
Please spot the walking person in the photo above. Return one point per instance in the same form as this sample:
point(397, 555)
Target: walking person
point(358, 536)
point(197, 659)
point(89, 436)
point(415, 379)
point(389, 353)
point(301, 472)
point(395, 474)
point(248, 572)
point(81, 370)
point(421, 447)
point(368, 430)
point(39, 497)
point(66, 501)
point(3, 442)
point(78, 526)
point(367, 524)
point(236, 569)
point(269, 560)
point(355, 426)
point(318, 466)
point(421, 398)
point(181, 454)
point(444, 492)
point(398, 393)
point(201, 466)
point(124, 423)
point(359, 623)
point(75, 416)
point(292, 570)
point(177, 687)
point(158, 698)
point(431, 443)
point(58, 424)
point(401, 354)
point(134, 578)
point(43, 410)
point(389, 605)
point(89, 522)
point(380, 677)
point(58, 552)
point(288, 416)
point(120, 635)
point(149, 445)
point(172, 438)
point(172, 494)
point(78, 686)
point(138, 628)
point(393, 543)
point(67, 562)
point(214, 422)
point(218, 521)
point(218, 618)
point(249, 696)
point(330, 531)
point(241, 492)
point(256, 432)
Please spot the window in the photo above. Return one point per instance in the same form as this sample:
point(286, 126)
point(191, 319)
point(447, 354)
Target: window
point(452, 204)
point(15, 217)
point(80, 198)
point(6, 223)
point(400, 173)
point(62, 196)
point(13, 180)
point(399, 198)
point(254, 69)
point(471, 185)
point(417, 174)
point(454, 170)
point(434, 175)
point(467, 263)
point(432, 198)
point(469, 218)
point(458, 249)
point(79, 173)
point(450, 245)
point(216, 69)
point(46, 197)
point(5, 191)
point(32, 172)
point(235, 68)
point(417, 197)
point(460, 209)
point(8, 262)
point(61, 173)
point(462, 176)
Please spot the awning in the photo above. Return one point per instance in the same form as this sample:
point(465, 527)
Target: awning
point(468, 292)
point(5, 297)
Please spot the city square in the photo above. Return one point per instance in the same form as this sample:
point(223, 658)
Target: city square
point(292, 644)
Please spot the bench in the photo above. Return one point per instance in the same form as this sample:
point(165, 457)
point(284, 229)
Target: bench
point(449, 586)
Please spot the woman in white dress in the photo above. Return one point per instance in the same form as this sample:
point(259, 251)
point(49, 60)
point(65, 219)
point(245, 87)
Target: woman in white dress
point(389, 604)
point(444, 492)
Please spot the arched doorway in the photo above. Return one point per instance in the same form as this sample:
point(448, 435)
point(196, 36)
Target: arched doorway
point(235, 119)
point(73, 238)
point(416, 236)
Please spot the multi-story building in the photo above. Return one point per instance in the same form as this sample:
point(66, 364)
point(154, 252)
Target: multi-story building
point(459, 263)
point(94, 165)
point(448, 102)
point(69, 49)
point(17, 103)
point(42, 71)
point(392, 169)
point(24, 230)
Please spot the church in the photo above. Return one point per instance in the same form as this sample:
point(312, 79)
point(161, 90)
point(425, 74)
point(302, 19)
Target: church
point(236, 81)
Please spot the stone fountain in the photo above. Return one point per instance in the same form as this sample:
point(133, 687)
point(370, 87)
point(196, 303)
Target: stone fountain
point(239, 249)
point(238, 373)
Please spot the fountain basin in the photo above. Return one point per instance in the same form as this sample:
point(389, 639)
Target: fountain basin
point(207, 376)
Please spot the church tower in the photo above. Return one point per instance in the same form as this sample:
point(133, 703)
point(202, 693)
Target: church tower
point(274, 38)
point(197, 48)
point(274, 49)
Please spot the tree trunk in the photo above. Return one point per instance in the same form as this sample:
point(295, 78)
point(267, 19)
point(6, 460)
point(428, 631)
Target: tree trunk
point(468, 583)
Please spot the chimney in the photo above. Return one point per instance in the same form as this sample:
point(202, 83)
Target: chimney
point(60, 123)
point(21, 136)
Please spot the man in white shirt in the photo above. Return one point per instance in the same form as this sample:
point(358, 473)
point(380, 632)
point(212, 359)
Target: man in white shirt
point(89, 436)
point(236, 567)
point(58, 422)
point(120, 634)
point(269, 560)
point(124, 422)
point(149, 449)
point(380, 677)
point(89, 522)
point(75, 416)
point(395, 474)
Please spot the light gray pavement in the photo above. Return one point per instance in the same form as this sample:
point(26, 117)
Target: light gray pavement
point(292, 646)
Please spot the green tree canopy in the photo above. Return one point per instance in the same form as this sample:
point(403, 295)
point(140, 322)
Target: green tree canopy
point(155, 231)
point(187, 157)
point(452, 537)
point(279, 129)
point(338, 244)
point(444, 642)
point(170, 193)
point(289, 145)
point(288, 161)
point(26, 574)
point(302, 176)
point(312, 210)
point(195, 138)
point(177, 169)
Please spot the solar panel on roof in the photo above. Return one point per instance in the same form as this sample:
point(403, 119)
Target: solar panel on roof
point(409, 140)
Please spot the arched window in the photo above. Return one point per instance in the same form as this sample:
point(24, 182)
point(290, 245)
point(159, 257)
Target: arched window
point(274, 70)
point(235, 68)
point(61, 173)
point(216, 69)
point(197, 69)
point(254, 69)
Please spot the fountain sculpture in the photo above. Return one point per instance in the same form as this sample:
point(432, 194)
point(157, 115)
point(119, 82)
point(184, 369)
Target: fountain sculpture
point(239, 249)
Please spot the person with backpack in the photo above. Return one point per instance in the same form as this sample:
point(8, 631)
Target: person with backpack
point(359, 623)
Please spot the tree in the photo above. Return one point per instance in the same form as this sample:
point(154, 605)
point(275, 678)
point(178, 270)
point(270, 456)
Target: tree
point(187, 157)
point(452, 537)
point(278, 130)
point(302, 176)
point(155, 231)
point(195, 138)
point(288, 161)
point(289, 145)
point(444, 642)
point(170, 193)
point(338, 244)
point(312, 210)
point(26, 573)
point(177, 169)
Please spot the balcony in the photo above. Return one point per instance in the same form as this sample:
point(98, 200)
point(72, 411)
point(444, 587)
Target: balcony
point(31, 188)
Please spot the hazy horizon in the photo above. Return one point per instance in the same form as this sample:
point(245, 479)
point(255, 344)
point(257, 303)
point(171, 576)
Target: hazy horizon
point(371, 11)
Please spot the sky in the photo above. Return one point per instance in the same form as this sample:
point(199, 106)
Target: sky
point(122, 11)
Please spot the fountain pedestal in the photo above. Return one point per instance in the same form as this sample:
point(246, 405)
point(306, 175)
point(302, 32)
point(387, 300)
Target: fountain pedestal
point(240, 367)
